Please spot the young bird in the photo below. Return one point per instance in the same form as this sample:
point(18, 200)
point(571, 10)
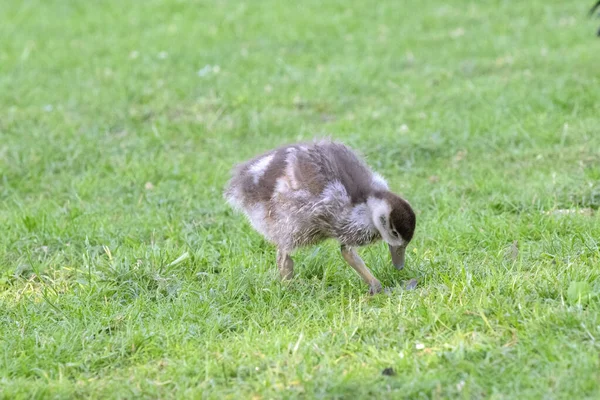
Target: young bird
point(302, 194)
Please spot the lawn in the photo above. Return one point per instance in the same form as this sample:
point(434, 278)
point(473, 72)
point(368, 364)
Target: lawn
point(124, 274)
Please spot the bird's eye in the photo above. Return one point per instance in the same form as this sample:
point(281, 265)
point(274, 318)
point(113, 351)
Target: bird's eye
point(395, 234)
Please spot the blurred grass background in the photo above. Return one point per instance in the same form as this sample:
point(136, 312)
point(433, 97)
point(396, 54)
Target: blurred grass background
point(124, 274)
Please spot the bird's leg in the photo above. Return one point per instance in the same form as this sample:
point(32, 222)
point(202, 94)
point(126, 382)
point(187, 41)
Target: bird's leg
point(352, 258)
point(285, 265)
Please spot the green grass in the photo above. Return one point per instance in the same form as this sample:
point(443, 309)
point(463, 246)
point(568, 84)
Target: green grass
point(123, 273)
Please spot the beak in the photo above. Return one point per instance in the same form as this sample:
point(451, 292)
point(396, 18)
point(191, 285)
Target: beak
point(398, 256)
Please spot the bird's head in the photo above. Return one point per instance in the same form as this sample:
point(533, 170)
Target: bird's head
point(395, 220)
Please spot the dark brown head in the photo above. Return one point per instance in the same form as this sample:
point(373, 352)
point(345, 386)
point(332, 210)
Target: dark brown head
point(395, 220)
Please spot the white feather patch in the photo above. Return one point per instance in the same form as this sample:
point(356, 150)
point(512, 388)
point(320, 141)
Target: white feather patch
point(282, 185)
point(335, 192)
point(379, 182)
point(257, 215)
point(360, 216)
point(259, 167)
point(293, 181)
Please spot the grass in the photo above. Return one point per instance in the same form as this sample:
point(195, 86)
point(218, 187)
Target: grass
point(123, 273)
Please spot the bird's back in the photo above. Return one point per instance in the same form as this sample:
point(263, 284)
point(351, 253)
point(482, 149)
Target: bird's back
point(298, 194)
point(311, 167)
point(342, 164)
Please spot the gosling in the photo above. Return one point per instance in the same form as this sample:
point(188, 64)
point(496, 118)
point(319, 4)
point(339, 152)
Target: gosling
point(302, 194)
